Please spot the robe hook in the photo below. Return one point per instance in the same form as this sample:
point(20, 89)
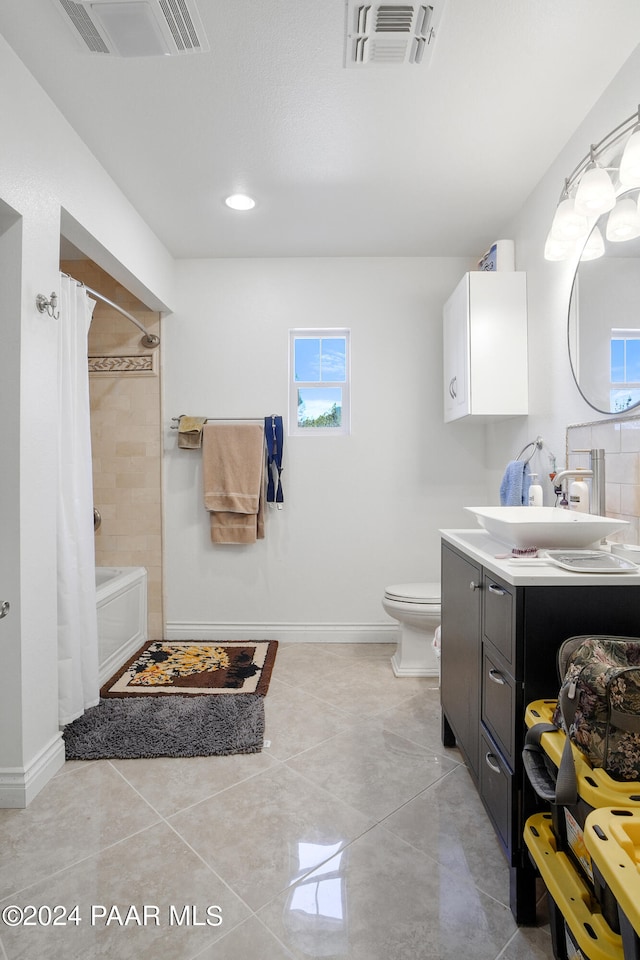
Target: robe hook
point(48, 304)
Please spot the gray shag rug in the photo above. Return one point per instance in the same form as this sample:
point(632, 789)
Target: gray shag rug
point(173, 726)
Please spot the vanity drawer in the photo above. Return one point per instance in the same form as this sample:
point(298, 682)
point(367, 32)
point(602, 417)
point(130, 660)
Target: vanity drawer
point(497, 790)
point(498, 626)
point(498, 703)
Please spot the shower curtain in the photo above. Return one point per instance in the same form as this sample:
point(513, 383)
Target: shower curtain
point(78, 686)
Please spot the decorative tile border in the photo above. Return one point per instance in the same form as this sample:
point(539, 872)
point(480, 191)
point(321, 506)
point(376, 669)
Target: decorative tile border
point(620, 439)
point(139, 366)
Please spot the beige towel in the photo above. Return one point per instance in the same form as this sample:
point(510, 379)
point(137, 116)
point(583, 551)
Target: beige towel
point(190, 432)
point(233, 478)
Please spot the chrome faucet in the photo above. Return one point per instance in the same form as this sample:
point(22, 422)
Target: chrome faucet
point(596, 474)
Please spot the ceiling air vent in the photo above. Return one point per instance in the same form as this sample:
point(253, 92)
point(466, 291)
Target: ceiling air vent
point(135, 28)
point(390, 34)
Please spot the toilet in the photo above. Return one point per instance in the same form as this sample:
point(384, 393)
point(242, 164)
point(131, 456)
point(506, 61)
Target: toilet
point(416, 606)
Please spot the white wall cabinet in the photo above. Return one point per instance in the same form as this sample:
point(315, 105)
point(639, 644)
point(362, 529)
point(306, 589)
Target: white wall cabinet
point(485, 347)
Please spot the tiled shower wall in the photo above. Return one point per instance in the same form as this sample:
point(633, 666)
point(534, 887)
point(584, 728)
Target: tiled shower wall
point(620, 439)
point(126, 437)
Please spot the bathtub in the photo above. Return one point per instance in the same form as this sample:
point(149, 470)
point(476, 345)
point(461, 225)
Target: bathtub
point(121, 599)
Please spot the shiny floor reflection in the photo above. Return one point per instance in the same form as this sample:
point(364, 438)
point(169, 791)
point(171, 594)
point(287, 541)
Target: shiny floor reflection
point(354, 834)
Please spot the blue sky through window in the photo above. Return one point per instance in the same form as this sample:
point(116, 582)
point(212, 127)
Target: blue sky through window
point(320, 359)
point(625, 360)
point(617, 361)
point(316, 401)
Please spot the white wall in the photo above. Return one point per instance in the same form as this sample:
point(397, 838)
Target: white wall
point(46, 175)
point(554, 400)
point(10, 247)
point(360, 512)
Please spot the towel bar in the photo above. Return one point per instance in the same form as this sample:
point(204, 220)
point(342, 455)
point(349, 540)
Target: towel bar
point(176, 420)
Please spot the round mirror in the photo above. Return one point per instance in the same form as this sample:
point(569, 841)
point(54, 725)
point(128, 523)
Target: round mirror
point(604, 316)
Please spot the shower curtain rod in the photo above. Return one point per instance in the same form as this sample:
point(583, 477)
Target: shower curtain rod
point(148, 340)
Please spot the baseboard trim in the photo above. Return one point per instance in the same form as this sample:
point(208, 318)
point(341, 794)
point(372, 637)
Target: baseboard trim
point(19, 785)
point(287, 632)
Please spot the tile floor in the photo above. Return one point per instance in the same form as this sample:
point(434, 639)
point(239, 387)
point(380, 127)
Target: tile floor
point(354, 834)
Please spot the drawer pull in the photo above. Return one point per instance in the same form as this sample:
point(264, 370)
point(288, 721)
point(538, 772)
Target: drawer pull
point(492, 766)
point(475, 586)
point(497, 677)
point(499, 592)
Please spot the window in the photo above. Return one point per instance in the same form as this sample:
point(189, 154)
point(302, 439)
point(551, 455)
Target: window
point(624, 369)
point(319, 383)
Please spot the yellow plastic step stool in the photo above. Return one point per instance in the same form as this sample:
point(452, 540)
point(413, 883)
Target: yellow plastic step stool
point(583, 925)
point(596, 787)
point(612, 837)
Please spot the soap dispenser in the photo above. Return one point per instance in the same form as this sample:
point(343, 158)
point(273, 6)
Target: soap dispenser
point(535, 492)
point(579, 496)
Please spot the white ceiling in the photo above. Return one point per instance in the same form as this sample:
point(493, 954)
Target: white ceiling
point(396, 161)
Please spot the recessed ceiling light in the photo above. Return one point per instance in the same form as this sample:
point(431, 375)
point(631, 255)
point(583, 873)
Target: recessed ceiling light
point(240, 201)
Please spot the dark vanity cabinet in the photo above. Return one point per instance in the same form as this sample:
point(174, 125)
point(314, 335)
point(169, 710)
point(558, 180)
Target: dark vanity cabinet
point(498, 653)
point(460, 657)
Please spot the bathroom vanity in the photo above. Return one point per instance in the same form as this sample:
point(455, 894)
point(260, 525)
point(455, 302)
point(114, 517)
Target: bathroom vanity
point(502, 623)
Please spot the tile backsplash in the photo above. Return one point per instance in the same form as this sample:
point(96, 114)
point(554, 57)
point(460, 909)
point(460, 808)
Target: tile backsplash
point(620, 440)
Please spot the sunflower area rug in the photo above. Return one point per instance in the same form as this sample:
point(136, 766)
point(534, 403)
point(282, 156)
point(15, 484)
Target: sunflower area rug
point(129, 723)
point(189, 668)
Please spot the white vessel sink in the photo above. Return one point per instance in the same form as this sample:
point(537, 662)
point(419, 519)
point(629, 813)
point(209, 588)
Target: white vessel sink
point(544, 526)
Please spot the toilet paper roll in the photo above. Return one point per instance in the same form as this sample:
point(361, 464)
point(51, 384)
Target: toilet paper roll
point(500, 256)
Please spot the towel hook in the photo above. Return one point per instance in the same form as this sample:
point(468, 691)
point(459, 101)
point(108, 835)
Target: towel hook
point(48, 304)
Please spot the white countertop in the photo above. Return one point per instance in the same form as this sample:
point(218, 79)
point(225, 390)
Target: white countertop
point(480, 546)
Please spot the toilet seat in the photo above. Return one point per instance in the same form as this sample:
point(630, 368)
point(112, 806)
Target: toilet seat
point(418, 593)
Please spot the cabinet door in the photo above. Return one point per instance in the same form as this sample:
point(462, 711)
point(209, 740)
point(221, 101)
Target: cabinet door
point(498, 344)
point(455, 337)
point(460, 651)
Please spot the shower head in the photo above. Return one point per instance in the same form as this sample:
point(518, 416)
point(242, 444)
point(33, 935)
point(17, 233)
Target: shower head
point(149, 340)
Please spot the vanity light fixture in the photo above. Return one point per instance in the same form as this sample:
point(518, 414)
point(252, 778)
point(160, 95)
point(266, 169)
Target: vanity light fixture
point(624, 221)
point(595, 193)
point(630, 163)
point(609, 169)
point(240, 201)
point(568, 224)
point(555, 249)
point(593, 248)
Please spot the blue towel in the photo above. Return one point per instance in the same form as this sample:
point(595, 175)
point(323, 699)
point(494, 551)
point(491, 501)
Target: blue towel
point(273, 435)
point(514, 489)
